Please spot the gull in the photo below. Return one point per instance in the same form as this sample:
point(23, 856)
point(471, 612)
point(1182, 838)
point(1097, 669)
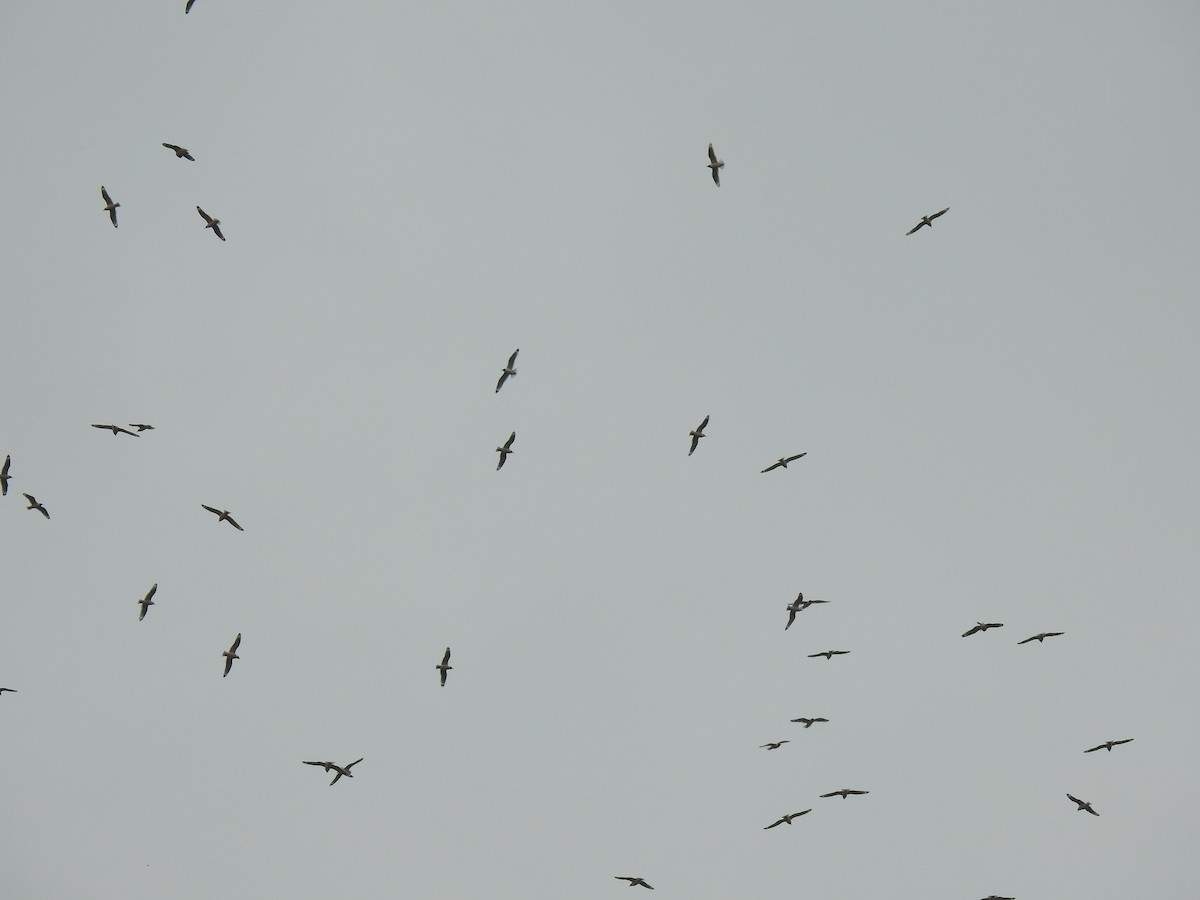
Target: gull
point(715, 164)
point(231, 654)
point(1041, 637)
point(797, 605)
point(116, 429)
point(1083, 806)
point(508, 370)
point(1107, 745)
point(214, 224)
point(787, 820)
point(982, 626)
point(444, 667)
point(928, 220)
point(33, 504)
point(343, 770)
point(10, 690)
point(180, 152)
point(146, 602)
point(828, 654)
point(996, 897)
point(109, 206)
point(4, 476)
point(187, 9)
point(773, 746)
point(697, 434)
point(633, 882)
point(505, 450)
point(224, 516)
point(782, 462)
point(844, 793)
point(808, 723)
point(141, 427)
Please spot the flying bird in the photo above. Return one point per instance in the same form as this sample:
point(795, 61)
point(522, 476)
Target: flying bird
point(782, 462)
point(231, 654)
point(109, 206)
point(116, 429)
point(214, 224)
point(982, 626)
point(508, 370)
point(787, 820)
point(808, 723)
point(828, 654)
point(773, 746)
point(224, 516)
point(187, 9)
point(140, 426)
point(697, 434)
point(1107, 745)
point(145, 603)
point(343, 770)
point(928, 220)
point(505, 450)
point(1041, 637)
point(4, 476)
point(844, 793)
point(33, 504)
point(1083, 806)
point(10, 690)
point(180, 152)
point(633, 882)
point(715, 164)
point(995, 897)
point(444, 667)
point(797, 605)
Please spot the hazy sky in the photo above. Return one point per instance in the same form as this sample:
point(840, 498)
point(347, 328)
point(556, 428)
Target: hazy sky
point(999, 415)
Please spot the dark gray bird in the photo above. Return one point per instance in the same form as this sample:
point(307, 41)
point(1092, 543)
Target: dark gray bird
point(4, 476)
point(844, 793)
point(444, 666)
point(180, 152)
point(782, 462)
point(140, 426)
point(928, 220)
point(773, 746)
point(109, 206)
point(505, 450)
point(223, 516)
point(10, 690)
point(787, 820)
point(508, 370)
point(982, 626)
point(344, 770)
point(1041, 637)
point(995, 897)
point(697, 434)
point(715, 164)
point(187, 9)
point(33, 504)
point(797, 605)
point(828, 654)
point(633, 882)
point(808, 723)
point(146, 602)
point(1083, 806)
point(231, 654)
point(116, 429)
point(214, 224)
point(1107, 745)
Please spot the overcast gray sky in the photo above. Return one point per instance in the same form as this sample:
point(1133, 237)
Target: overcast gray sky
point(999, 416)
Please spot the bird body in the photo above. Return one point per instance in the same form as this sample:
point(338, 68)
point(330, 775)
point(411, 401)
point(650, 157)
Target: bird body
point(982, 626)
point(214, 224)
point(180, 152)
point(508, 370)
point(787, 820)
point(782, 462)
point(1041, 637)
point(444, 666)
point(928, 220)
point(1083, 807)
point(117, 429)
point(715, 164)
point(33, 504)
point(109, 206)
point(231, 654)
point(505, 450)
point(146, 602)
point(223, 516)
point(1107, 745)
point(696, 434)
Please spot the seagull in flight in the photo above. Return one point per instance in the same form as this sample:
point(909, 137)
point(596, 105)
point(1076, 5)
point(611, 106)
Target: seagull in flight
point(797, 605)
point(715, 164)
point(231, 654)
point(444, 667)
point(187, 9)
point(180, 152)
point(343, 770)
point(808, 723)
point(828, 654)
point(782, 462)
point(214, 224)
point(116, 429)
point(1041, 637)
point(1107, 745)
point(787, 820)
point(508, 370)
point(141, 426)
point(145, 603)
point(4, 476)
point(697, 434)
point(505, 450)
point(982, 626)
point(633, 882)
point(10, 690)
point(33, 504)
point(773, 746)
point(928, 220)
point(109, 206)
point(995, 897)
point(223, 516)
point(1083, 806)
point(844, 793)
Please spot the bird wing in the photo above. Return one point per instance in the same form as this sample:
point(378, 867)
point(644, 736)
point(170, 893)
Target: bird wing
point(770, 467)
point(104, 194)
point(207, 217)
point(1088, 808)
point(1076, 799)
point(174, 147)
point(324, 765)
point(4, 468)
point(1093, 750)
point(797, 456)
point(512, 437)
point(773, 824)
point(500, 465)
point(820, 720)
point(839, 652)
point(695, 444)
point(942, 213)
point(350, 766)
point(217, 231)
point(811, 655)
point(858, 792)
point(30, 498)
point(1126, 741)
point(832, 794)
point(118, 428)
point(233, 522)
point(1028, 639)
point(187, 9)
point(500, 383)
point(712, 156)
point(1054, 633)
point(228, 665)
point(236, 643)
point(703, 424)
point(152, 590)
point(717, 177)
point(916, 227)
point(791, 618)
point(512, 359)
point(972, 631)
point(211, 510)
point(446, 656)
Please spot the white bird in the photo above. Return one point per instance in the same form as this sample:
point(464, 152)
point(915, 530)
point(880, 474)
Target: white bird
point(697, 434)
point(508, 370)
point(715, 164)
point(109, 206)
point(224, 516)
point(444, 666)
point(505, 450)
point(231, 654)
point(782, 462)
point(214, 224)
point(145, 603)
point(180, 152)
point(928, 220)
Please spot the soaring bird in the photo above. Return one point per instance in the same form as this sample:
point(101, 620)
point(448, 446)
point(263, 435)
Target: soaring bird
point(33, 504)
point(773, 746)
point(1041, 637)
point(187, 9)
point(224, 516)
point(444, 667)
point(797, 605)
point(1107, 745)
point(231, 654)
point(1083, 806)
point(4, 476)
point(844, 793)
point(344, 770)
point(180, 152)
point(116, 429)
point(782, 462)
point(145, 603)
point(996, 897)
point(508, 370)
point(214, 224)
point(109, 206)
point(715, 164)
point(141, 426)
point(697, 434)
point(633, 882)
point(10, 690)
point(982, 626)
point(505, 450)
point(787, 820)
point(828, 654)
point(928, 220)
point(808, 723)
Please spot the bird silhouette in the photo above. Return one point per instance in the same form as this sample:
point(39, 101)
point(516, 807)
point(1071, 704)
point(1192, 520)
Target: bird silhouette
point(982, 626)
point(633, 882)
point(223, 516)
point(697, 434)
point(180, 152)
point(4, 476)
point(715, 164)
point(773, 746)
point(928, 220)
point(117, 429)
point(146, 602)
point(231, 654)
point(508, 370)
point(1083, 807)
point(844, 793)
point(787, 820)
point(828, 654)
point(808, 723)
point(444, 666)
point(214, 224)
point(109, 206)
point(1107, 745)
point(782, 462)
point(33, 504)
point(1041, 637)
point(505, 450)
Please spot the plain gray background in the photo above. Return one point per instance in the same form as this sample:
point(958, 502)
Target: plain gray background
point(999, 415)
